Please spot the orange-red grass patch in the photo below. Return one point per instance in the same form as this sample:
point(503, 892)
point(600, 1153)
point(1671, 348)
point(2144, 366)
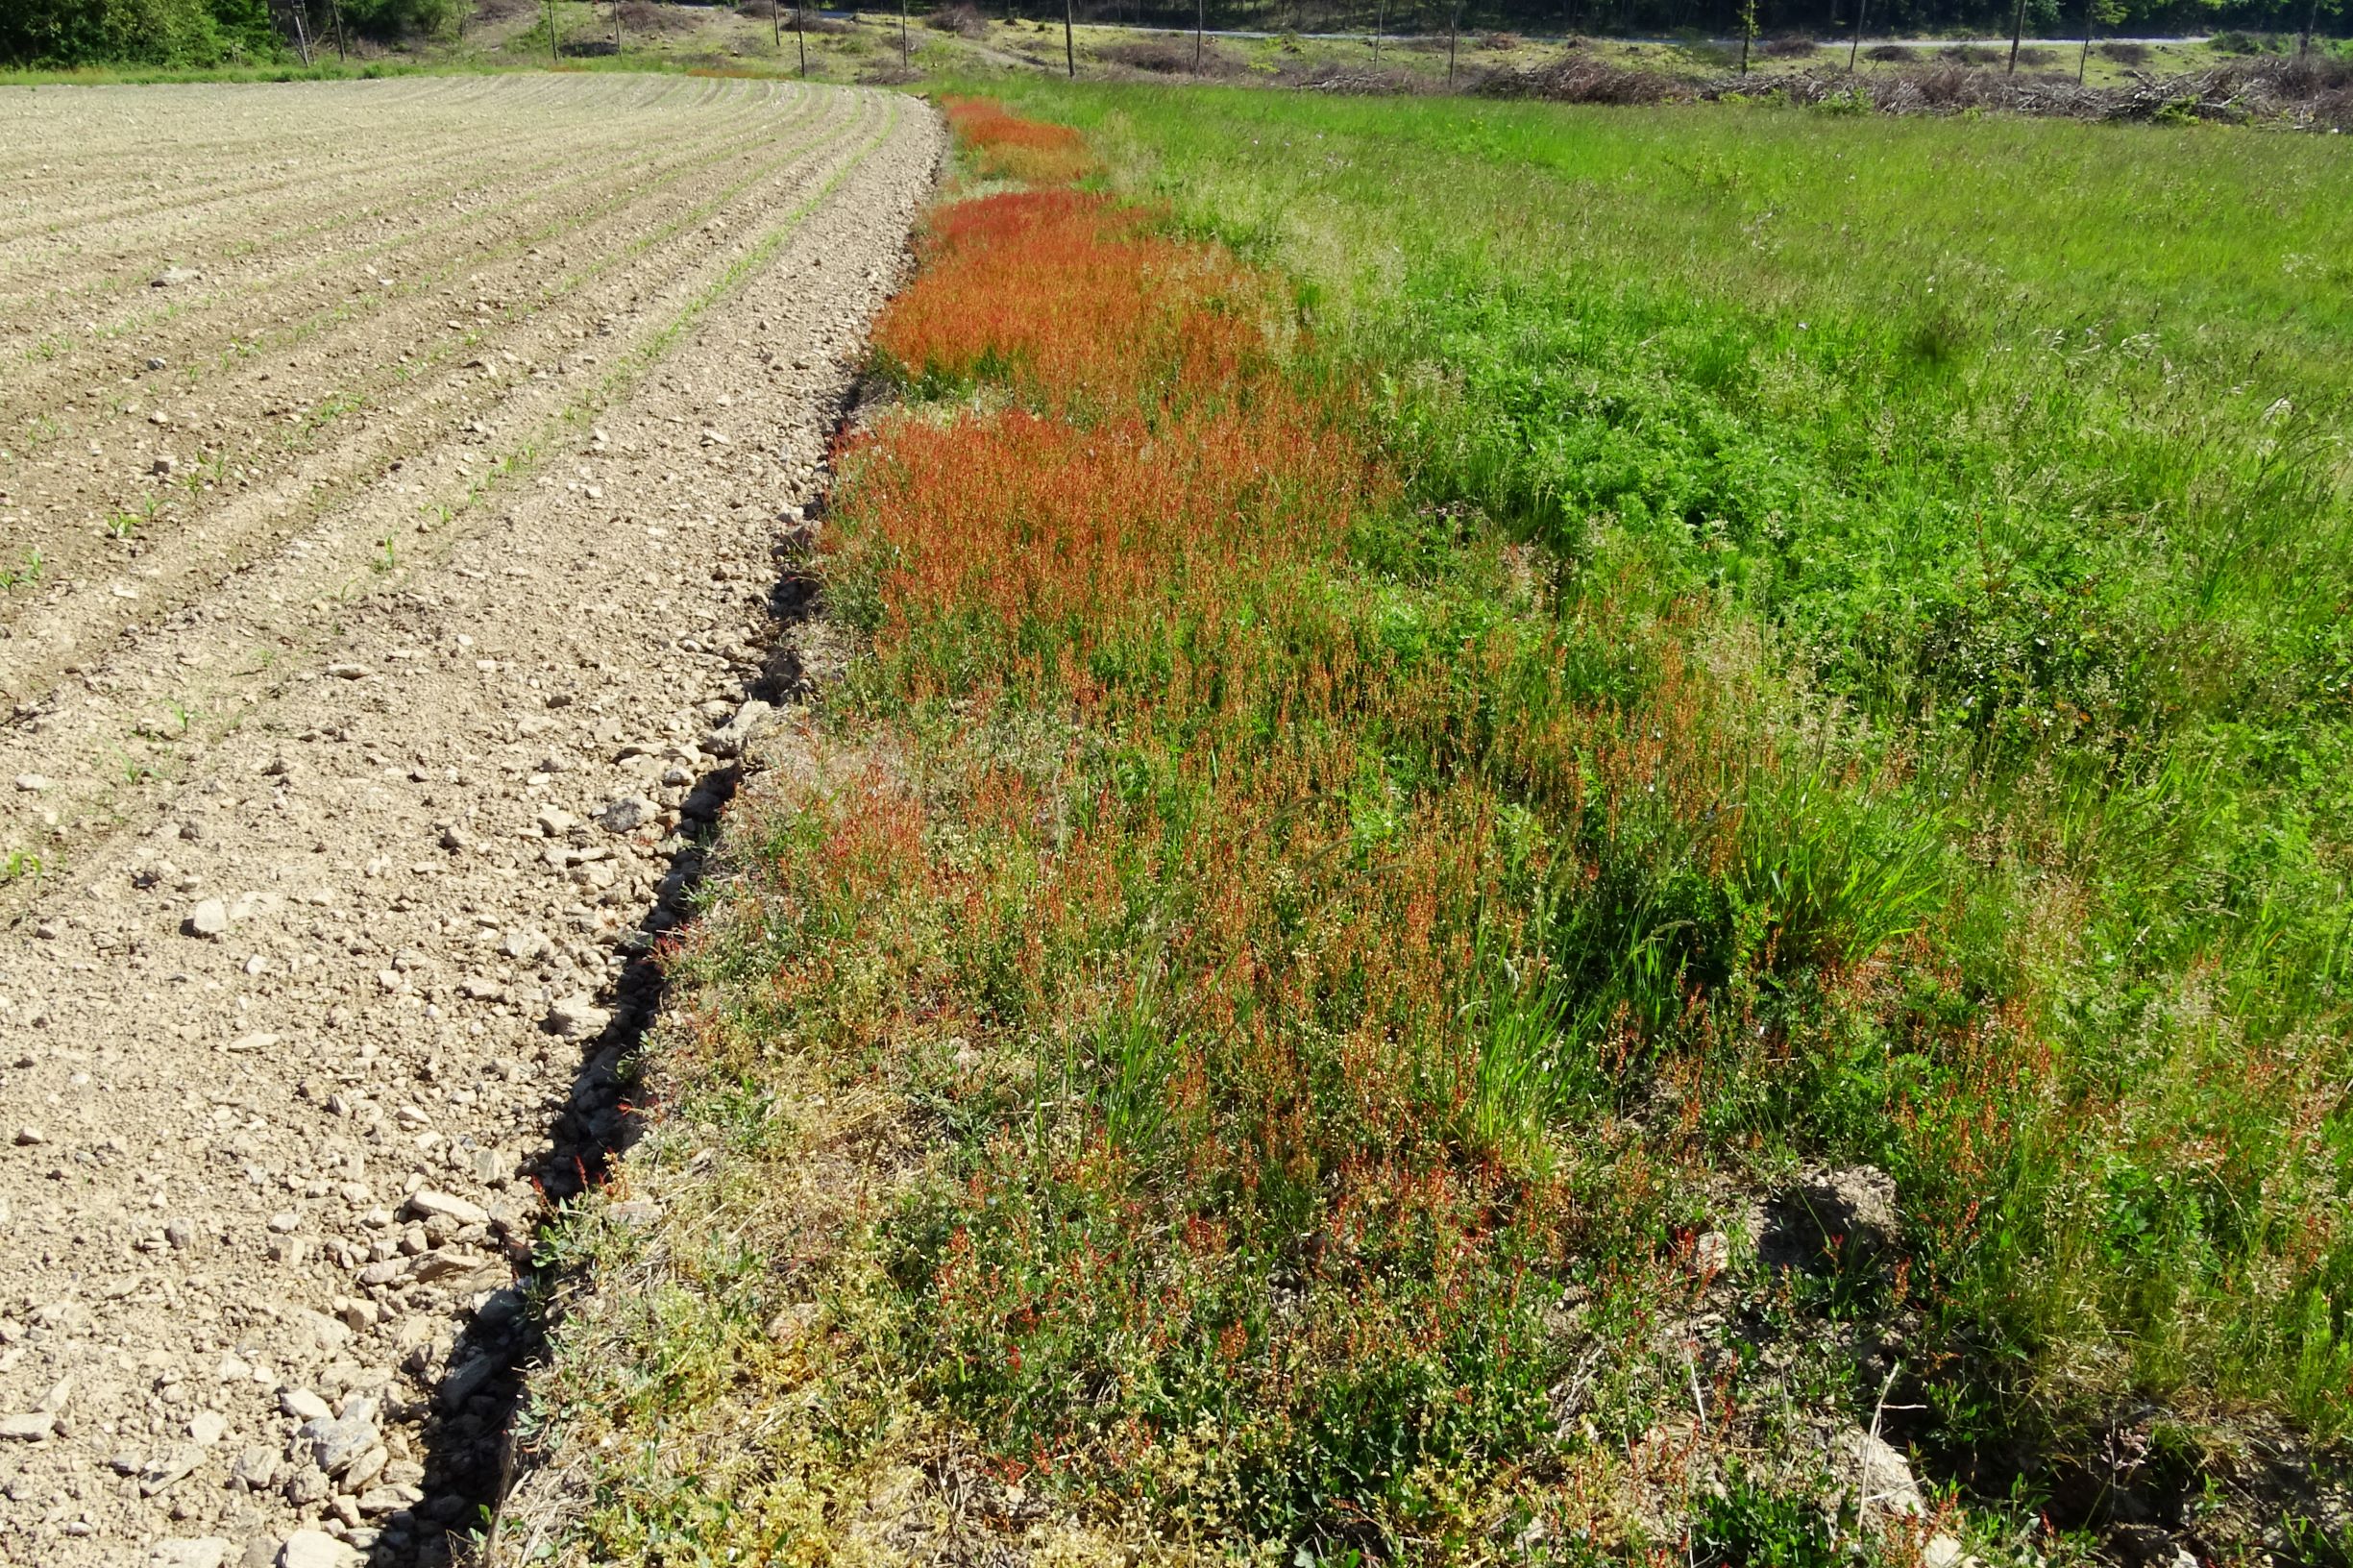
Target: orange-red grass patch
point(1003, 146)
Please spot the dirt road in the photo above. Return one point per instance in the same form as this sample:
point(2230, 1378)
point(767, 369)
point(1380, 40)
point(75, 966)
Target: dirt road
point(394, 477)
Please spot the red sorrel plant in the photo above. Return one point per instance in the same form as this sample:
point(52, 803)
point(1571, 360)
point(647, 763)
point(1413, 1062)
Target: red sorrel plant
point(1003, 146)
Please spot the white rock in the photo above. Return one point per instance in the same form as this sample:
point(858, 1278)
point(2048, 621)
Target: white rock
point(304, 1405)
point(577, 1018)
point(207, 1426)
point(32, 783)
point(32, 1428)
point(1881, 1475)
point(729, 738)
point(349, 671)
point(315, 1549)
point(209, 918)
point(199, 1552)
point(426, 1203)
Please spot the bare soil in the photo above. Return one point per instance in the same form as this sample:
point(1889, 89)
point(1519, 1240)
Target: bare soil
point(393, 477)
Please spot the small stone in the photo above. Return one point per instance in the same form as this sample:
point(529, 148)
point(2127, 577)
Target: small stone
point(34, 1427)
point(173, 278)
point(304, 1405)
point(728, 739)
point(577, 1018)
point(33, 783)
point(168, 1470)
point(209, 918)
point(199, 1552)
point(440, 1266)
point(154, 363)
point(255, 1470)
point(383, 1499)
point(285, 1223)
point(425, 1203)
point(343, 669)
point(335, 1444)
point(626, 814)
point(260, 1039)
point(307, 1485)
point(365, 1469)
point(455, 838)
point(315, 1549)
point(467, 1381)
point(554, 822)
point(28, 1136)
point(207, 1426)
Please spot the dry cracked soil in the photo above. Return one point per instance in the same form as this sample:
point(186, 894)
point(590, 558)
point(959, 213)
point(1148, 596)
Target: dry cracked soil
point(398, 488)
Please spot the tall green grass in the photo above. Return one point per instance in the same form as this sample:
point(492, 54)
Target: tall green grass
point(2020, 450)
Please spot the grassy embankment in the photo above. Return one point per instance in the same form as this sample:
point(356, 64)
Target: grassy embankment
point(1357, 866)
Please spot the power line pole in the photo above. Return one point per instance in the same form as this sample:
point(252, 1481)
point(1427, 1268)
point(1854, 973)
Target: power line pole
point(2083, 62)
point(1200, 28)
point(904, 48)
point(1069, 50)
point(1453, 25)
point(2018, 31)
point(1862, 8)
point(800, 35)
point(551, 32)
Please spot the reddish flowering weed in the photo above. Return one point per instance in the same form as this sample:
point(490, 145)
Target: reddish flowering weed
point(1076, 304)
point(1003, 146)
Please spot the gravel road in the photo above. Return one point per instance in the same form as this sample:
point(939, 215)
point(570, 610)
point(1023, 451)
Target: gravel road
point(395, 482)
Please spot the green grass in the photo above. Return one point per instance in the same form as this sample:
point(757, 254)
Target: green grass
point(1855, 674)
point(2022, 448)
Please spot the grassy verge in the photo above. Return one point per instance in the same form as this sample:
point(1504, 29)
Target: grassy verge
point(1551, 821)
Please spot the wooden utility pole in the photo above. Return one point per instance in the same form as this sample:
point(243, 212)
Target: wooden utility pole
point(2018, 31)
point(1380, 16)
point(775, 23)
point(551, 32)
point(800, 35)
point(1862, 9)
point(1453, 25)
point(616, 28)
point(1201, 24)
point(905, 49)
point(2083, 61)
point(1748, 32)
point(1069, 49)
point(335, 9)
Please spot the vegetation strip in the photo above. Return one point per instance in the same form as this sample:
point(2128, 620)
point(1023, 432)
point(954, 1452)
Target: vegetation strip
point(1331, 980)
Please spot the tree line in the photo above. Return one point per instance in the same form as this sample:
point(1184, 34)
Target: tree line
point(198, 33)
point(203, 33)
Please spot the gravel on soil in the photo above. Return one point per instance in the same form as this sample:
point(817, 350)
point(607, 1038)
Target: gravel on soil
point(363, 765)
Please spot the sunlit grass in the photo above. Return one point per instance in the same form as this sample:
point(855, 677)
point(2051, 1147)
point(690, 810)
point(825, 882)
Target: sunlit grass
point(1396, 795)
